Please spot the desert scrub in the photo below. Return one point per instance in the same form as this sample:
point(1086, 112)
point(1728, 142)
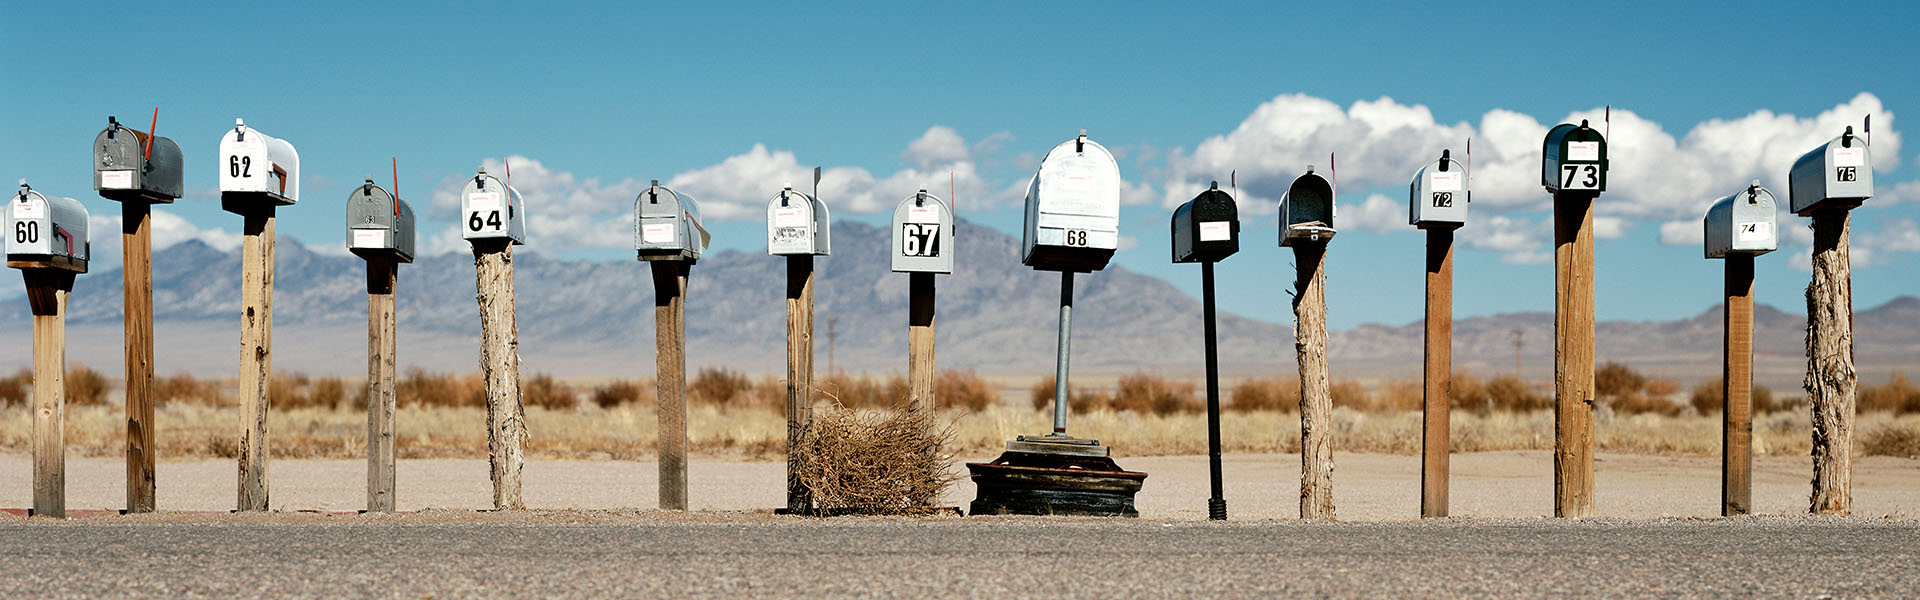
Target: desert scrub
point(875, 461)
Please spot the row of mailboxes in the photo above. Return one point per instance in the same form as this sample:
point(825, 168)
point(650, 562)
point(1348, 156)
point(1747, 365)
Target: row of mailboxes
point(379, 225)
point(797, 225)
point(257, 170)
point(1574, 159)
point(667, 225)
point(1439, 194)
point(490, 210)
point(1072, 209)
point(1307, 210)
point(1837, 174)
point(1206, 228)
point(132, 165)
point(48, 229)
point(1743, 223)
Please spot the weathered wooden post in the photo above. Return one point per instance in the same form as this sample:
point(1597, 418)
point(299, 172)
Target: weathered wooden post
point(1826, 184)
point(47, 240)
point(494, 221)
point(1574, 168)
point(1738, 228)
point(1437, 202)
point(380, 229)
point(1206, 230)
point(667, 233)
point(138, 170)
point(922, 248)
point(799, 229)
point(1306, 224)
point(258, 173)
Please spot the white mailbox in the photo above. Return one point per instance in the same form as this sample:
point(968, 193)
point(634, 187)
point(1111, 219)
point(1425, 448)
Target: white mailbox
point(667, 225)
point(1073, 209)
point(1307, 210)
point(1439, 194)
point(1838, 174)
point(1742, 224)
point(491, 209)
point(257, 170)
point(1574, 159)
point(47, 229)
point(130, 165)
point(797, 224)
point(922, 235)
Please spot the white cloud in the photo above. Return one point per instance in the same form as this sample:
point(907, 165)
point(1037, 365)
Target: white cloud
point(738, 187)
point(1610, 228)
point(1378, 214)
point(1684, 232)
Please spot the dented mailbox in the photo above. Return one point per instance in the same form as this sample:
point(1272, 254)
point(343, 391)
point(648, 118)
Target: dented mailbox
point(1206, 228)
point(1838, 174)
point(667, 225)
point(1307, 210)
point(379, 225)
point(256, 170)
point(130, 165)
point(922, 235)
point(1439, 194)
point(1743, 223)
point(1073, 209)
point(1574, 159)
point(797, 225)
point(46, 229)
point(491, 209)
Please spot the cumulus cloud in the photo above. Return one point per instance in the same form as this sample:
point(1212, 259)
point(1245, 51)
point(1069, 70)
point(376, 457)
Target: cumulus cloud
point(1377, 214)
point(167, 229)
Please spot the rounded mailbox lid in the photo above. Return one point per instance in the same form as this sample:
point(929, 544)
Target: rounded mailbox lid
point(796, 224)
point(1574, 158)
point(922, 235)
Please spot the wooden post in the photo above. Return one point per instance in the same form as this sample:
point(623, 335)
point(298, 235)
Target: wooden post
point(799, 373)
point(1573, 354)
point(382, 275)
point(136, 257)
point(500, 365)
point(1437, 394)
point(1316, 400)
point(47, 291)
point(1736, 385)
point(256, 354)
point(670, 374)
point(1831, 381)
point(920, 369)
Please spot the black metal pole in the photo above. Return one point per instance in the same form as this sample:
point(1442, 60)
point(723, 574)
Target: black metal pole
point(1217, 505)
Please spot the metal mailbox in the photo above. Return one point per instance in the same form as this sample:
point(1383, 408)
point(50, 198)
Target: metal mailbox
point(127, 165)
point(1743, 223)
point(1574, 159)
point(257, 170)
point(379, 225)
point(50, 229)
point(667, 225)
point(491, 209)
point(1837, 174)
point(922, 235)
point(797, 224)
point(1307, 210)
point(1439, 194)
point(1073, 209)
point(1206, 228)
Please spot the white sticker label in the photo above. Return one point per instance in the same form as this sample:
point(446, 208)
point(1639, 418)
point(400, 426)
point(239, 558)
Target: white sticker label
point(1849, 157)
point(116, 180)
point(1754, 232)
point(368, 238)
point(483, 201)
point(659, 233)
point(1446, 182)
point(1216, 231)
point(1589, 151)
point(30, 207)
point(791, 216)
point(923, 214)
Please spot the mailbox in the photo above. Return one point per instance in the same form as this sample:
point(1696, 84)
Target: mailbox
point(1073, 209)
point(922, 235)
point(491, 209)
point(1742, 224)
point(1838, 174)
point(797, 225)
point(378, 224)
point(129, 165)
point(47, 229)
point(1306, 210)
point(1206, 228)
point(256, 170)
point(1439, 194)
point(667, 225)
point(1574, 159)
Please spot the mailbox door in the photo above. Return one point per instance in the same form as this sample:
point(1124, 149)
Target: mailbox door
point(790, 224)
point(42, 225)
point(1838, 173)
point(1574, 159)
point(1754, 228)
point(922, 235)
point(1073, 209)
point(125, 168)
point(489, 209)
point(378, 225)
point(1438, 198)
point(658, 232)
point(256, 163)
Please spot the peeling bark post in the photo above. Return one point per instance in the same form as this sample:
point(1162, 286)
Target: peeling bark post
point(382, 275)
point(47, 291)
point(670, 375)
point(1573, 354)
point(1736, 386)
point(256, 354)
point(799, 373)
point(920, 368)
point(500, 365)
point(1316, 400)
point(136, 259)
point(1436, 393)
point(1831, 381)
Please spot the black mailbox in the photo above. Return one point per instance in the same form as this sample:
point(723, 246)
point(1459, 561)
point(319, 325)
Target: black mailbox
point(1206, 228)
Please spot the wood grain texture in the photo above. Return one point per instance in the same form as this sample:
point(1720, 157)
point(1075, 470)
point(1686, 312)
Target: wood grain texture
point(920, 367)
point(1736, 386)
point(1573, 354)
point(799, 373)
point(1316, 399)
point(47, 292)
point(382, 357)
point(500, 366)
point(256, 355)
point(670, 374)
point(1831, 382)
point(136, 278)
point(1436, 391)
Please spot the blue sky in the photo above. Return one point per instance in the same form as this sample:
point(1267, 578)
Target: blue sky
point(728, 102)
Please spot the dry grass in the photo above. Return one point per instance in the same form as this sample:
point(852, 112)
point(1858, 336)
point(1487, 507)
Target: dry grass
point(875, 461)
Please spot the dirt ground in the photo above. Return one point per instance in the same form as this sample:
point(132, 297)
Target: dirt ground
point(1367, 487)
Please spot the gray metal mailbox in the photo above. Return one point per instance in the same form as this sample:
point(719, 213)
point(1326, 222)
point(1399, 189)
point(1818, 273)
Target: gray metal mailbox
point(922, 235)
point(256, 170)
point(129, 166)
point(1073, 209)
point(42, 228)
point(667, 225)
point(1439, 194)
point(797, 224)
point(1837, 174)
point(1206, 228)
point(491, 209)
point(379, 225)
point(1743, 223)
point(1307, 210)
point(1574, 159)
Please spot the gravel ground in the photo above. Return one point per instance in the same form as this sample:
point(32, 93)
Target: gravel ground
point(656, 554)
